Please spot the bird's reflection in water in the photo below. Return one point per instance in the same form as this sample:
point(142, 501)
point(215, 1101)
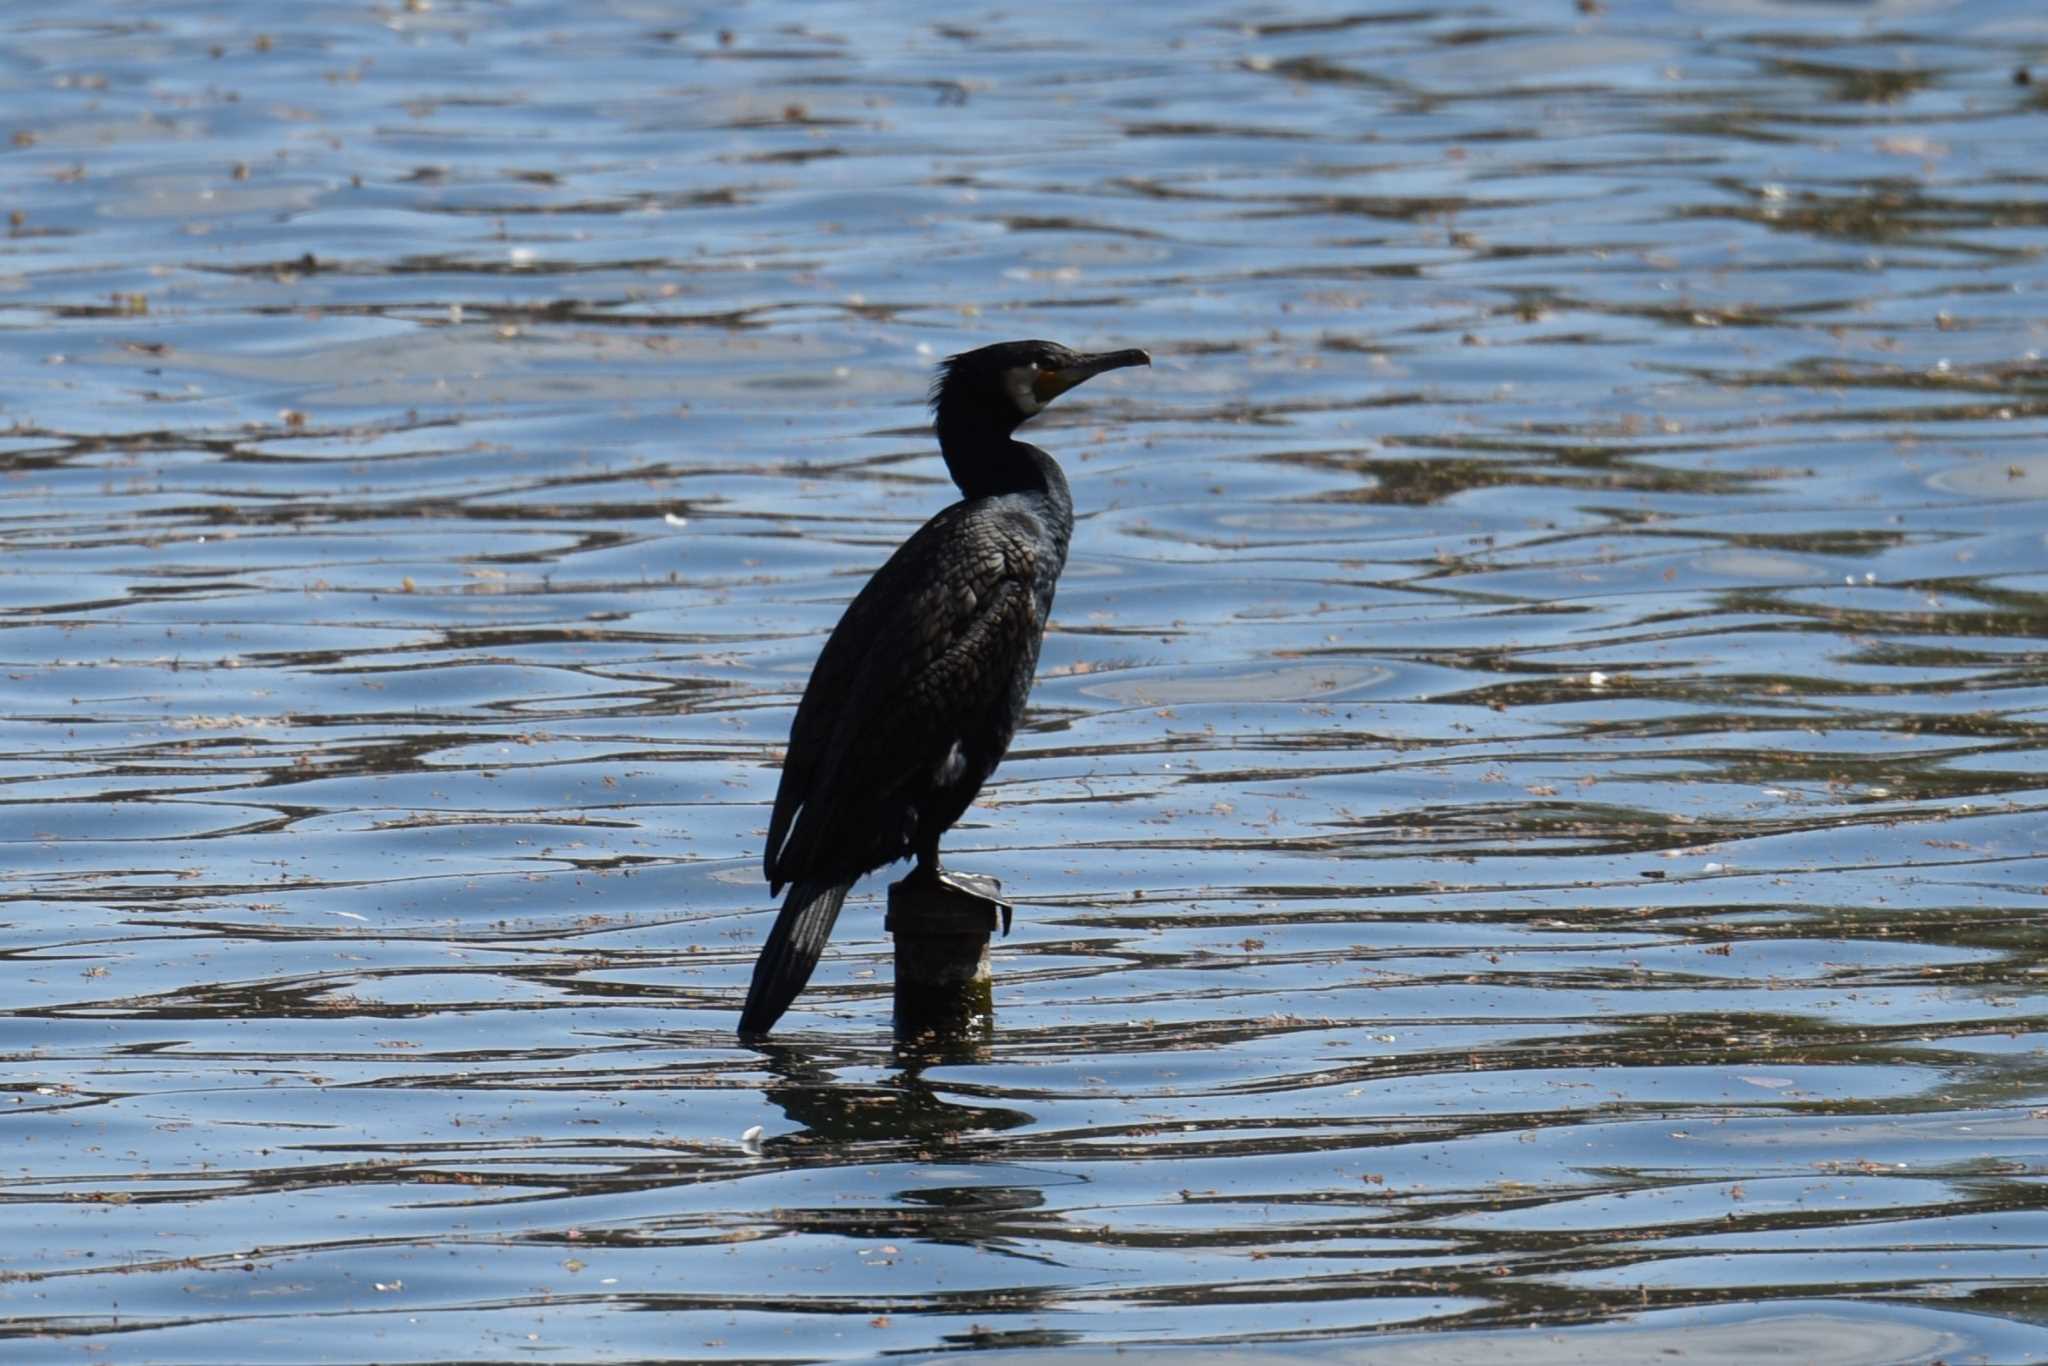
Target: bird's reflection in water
point(985, 1203)
point(902, 1106)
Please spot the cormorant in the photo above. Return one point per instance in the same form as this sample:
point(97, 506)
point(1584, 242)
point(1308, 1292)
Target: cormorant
point(916, 695)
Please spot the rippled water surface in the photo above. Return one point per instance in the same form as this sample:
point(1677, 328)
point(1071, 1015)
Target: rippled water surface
point(1530, 835)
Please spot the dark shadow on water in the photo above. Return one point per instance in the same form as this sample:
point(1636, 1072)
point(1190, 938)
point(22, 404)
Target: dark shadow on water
point(901, 1107)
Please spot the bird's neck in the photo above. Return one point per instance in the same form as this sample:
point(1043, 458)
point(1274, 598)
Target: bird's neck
point(987, 463)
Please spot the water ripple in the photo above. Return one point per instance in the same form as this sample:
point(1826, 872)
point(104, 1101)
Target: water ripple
point(1530, 815)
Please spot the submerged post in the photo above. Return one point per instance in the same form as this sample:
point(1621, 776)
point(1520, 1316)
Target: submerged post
point(942, 929)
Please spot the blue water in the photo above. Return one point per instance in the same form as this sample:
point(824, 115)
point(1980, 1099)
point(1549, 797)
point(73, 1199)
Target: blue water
point(1529, 837)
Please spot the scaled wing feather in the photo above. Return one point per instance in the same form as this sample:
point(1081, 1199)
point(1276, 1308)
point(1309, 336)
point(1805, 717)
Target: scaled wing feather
point(910, 664)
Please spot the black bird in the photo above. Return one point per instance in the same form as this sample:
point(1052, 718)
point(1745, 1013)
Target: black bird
point(917, 693)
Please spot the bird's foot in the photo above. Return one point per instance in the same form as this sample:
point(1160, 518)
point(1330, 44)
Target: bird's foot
point(976, 885)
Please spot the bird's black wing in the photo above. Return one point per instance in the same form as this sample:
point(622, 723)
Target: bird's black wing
point(929, 648)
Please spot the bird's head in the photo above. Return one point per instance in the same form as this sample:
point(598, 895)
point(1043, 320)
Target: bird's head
point(1008, 383)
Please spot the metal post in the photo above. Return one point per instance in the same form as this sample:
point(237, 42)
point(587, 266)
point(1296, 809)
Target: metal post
point(942, 929)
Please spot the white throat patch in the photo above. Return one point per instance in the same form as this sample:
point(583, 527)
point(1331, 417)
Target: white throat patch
point(1019, 380)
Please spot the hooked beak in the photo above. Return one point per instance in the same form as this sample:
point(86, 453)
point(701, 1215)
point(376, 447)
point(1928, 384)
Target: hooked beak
point(1050, 384)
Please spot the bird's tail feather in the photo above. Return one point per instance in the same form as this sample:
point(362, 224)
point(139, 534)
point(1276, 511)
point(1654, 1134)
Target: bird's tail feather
point(792, 951)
